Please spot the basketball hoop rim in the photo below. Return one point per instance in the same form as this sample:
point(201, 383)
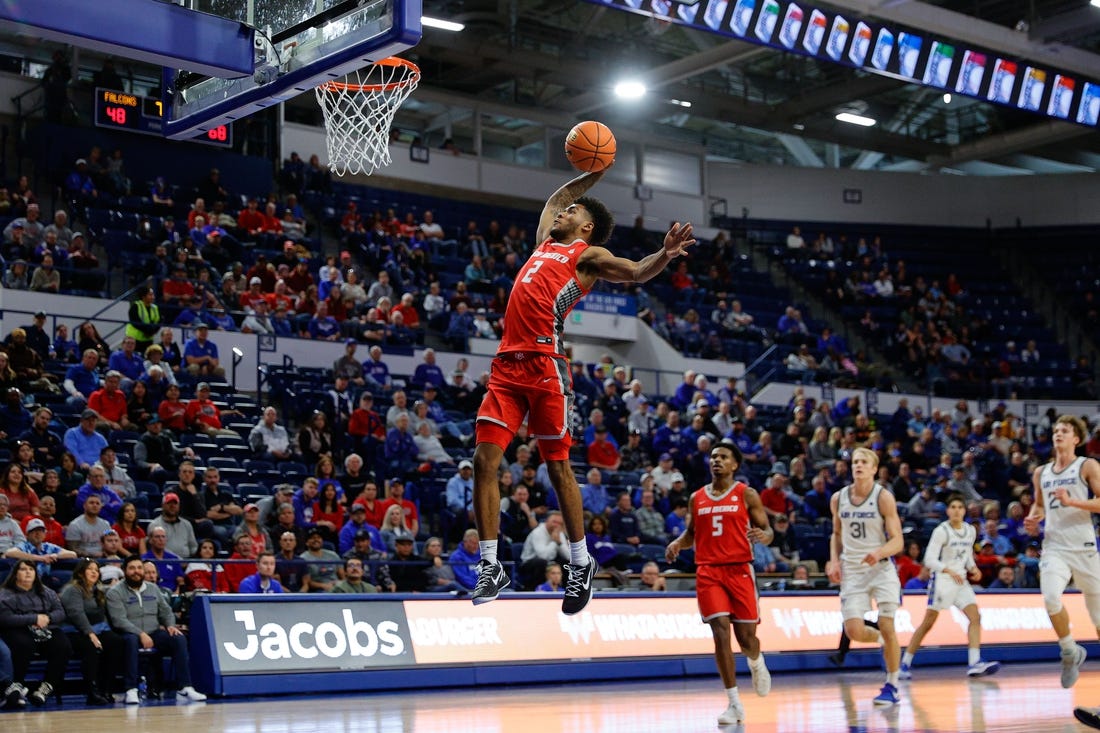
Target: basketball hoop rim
point(412, 75)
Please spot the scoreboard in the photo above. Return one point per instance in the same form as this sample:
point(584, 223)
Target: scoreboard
point(145, 115)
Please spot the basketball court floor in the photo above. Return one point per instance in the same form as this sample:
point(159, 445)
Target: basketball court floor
point(1024, 697)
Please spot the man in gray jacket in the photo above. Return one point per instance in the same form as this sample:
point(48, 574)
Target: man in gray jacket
point(138, 612)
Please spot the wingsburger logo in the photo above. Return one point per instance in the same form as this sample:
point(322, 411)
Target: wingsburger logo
point(306, 641)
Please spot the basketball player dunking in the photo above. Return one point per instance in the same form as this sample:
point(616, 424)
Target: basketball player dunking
point(1066, 491)
point(530, 376)
point(866, 535)
point(725, 519)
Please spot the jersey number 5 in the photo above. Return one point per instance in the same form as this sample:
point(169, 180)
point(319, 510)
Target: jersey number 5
point(716, 525)
point(531, 273)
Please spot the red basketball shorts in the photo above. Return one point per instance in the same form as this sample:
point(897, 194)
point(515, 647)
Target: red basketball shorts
point(532, 386)
point(727, 590)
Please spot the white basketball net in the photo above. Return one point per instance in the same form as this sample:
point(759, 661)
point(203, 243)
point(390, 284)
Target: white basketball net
point(359, 112)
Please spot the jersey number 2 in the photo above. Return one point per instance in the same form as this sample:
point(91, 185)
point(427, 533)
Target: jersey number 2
point(531, 273)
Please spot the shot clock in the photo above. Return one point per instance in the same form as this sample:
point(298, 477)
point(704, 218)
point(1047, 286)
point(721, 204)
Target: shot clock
point(145, 115)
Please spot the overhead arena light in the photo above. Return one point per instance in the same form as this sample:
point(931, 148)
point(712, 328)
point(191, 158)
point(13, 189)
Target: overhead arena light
point(854, 119)
point(630, 90)
point(679, 102)
point(443, 25)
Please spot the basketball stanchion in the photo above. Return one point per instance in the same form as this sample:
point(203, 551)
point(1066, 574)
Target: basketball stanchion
point(358, 114)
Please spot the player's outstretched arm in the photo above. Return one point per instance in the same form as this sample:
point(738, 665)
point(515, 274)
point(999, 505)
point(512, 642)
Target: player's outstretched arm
point(562, 198)
point(600, 263)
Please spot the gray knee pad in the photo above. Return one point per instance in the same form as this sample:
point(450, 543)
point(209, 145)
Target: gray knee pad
point(887, 610)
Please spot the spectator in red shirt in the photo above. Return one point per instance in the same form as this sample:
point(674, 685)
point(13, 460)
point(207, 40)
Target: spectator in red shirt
point(235, 572)
point(397, 496)
point(681, 279)
point(172, 410)
point(376, 508)
point(774, 497)
point(250, 220)
point(602, 453)
point(109, 403)
point(203, 416)
point(408, 311)
point(263, 271)
point(299, 280)
point(908, 562)
point(253, 295)
point(352, 222)
point(271, 223)
point(177, 289)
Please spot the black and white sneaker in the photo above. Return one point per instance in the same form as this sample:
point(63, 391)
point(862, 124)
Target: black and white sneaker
point(578, 586)
point(491, 580)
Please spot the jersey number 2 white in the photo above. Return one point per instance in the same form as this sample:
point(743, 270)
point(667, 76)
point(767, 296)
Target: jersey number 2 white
point(531, 273)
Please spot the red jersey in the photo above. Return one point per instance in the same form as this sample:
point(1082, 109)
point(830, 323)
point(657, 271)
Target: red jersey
point(546, 290)
point(721, 526)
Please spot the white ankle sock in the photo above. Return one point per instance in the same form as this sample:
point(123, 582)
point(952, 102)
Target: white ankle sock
point(757, 663)
point(973, 655)
point(732, 694)
point(892, 678)
point(578, 553)
point(1067, 644)
point(907, 660)
point(488, 550)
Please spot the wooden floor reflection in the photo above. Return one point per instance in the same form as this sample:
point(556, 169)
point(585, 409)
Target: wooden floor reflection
point(1021, 698)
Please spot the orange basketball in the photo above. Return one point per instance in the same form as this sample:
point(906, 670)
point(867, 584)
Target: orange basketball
point(590, 146)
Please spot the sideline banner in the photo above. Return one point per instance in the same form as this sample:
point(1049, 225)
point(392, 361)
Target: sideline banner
point(254, 639)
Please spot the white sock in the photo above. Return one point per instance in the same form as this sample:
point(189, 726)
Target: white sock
point(757, 663)
point(973, 655)
point(734, 697)
point(1067, 644)
point(907, 660)
point(892, 678)
point(488, 550)
point(578, 553)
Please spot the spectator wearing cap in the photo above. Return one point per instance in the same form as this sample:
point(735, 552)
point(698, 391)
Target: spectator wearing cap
point(323, 565)
point(194, 313)
point(170, 575)
point(203, 416)
point(357, 527)
point(634, 456)
point(251, 528)
point(177, 289)
point(38, 338)
point(460, 493)
point(34, 548)
point(79, 256)
point(602, 453)
point(201, 355)
point(16, 277)
point(775, 497)
point(179, 533)
point(348, 366)
point(255, 293)
point(83, 441)
point(663, 473)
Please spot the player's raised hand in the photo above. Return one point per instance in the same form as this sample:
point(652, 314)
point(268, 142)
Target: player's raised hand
point(678, 240)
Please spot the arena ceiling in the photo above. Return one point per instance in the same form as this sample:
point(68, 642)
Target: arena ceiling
point(526, 65)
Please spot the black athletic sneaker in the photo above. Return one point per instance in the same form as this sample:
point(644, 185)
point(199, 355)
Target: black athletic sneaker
point(491, 580)
point(578, 586)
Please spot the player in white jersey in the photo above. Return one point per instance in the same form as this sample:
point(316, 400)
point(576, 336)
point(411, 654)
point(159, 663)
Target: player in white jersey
point(1066, 491)
point(950, 558)
point(866, 534)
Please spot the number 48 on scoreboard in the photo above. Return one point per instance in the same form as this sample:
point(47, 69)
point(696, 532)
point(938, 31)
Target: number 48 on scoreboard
point(145, 115)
